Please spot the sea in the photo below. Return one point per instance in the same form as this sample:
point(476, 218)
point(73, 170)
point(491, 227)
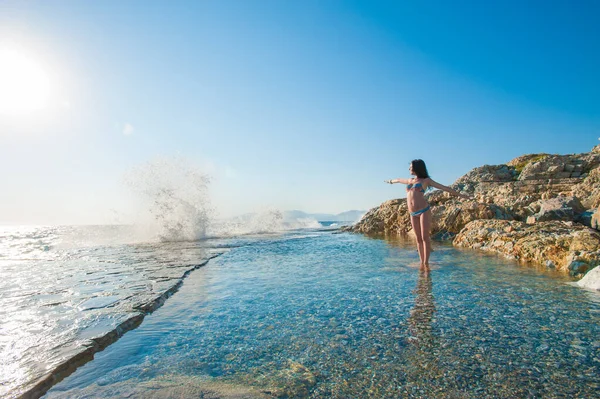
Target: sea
point(300, 310)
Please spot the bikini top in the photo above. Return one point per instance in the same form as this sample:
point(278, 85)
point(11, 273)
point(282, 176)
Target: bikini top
point(419, 186)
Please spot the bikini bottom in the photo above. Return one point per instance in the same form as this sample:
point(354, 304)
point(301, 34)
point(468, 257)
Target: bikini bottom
point(421, 211)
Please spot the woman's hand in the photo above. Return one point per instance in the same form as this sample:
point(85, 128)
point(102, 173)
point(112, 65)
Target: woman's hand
point(388, 181)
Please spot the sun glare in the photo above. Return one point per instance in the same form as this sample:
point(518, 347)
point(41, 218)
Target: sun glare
point(24, 85)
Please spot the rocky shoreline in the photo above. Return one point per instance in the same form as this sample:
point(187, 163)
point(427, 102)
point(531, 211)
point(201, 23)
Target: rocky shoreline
point(540, 209)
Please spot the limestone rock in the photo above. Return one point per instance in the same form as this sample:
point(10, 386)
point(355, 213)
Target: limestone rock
point(544, 166)
point(588, 190)
point(391, 217)
point(558, 208)
point(591, 280)
point(526, 161)
point(489, 174)
point(567, 246)
point(449, 216)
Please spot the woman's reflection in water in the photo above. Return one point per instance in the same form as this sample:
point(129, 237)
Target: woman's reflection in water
point(422, 313)
point(423, 354)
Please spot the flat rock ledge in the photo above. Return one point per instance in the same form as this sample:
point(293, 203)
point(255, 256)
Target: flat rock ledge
point(564, 246)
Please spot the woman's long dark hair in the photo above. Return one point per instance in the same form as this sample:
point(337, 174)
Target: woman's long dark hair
point(418, 166)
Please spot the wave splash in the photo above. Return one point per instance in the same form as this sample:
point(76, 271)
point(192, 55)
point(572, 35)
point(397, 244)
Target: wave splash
point(173, 201)
point(175, 198)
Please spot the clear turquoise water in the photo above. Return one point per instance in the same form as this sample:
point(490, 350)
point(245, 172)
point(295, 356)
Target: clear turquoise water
point(343, 316)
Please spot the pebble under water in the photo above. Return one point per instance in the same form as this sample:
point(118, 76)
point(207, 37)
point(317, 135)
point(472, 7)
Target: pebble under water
point(327, 315)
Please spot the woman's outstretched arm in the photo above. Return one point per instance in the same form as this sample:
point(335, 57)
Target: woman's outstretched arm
point(402, 181)
point(447, 189)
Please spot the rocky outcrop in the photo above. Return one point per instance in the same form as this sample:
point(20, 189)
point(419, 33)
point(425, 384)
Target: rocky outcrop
point(565, 246)
point(539, 192)
point(388, 218)
point(526, 180)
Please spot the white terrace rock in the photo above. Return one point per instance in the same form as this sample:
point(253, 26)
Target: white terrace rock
point(591, 280)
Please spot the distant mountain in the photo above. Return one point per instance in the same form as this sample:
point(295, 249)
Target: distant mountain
point(348, 216)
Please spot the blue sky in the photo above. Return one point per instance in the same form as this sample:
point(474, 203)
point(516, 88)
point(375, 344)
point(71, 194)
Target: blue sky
point(290, 104)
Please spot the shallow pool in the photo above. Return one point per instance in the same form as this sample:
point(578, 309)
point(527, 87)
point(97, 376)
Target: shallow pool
point(327, 315)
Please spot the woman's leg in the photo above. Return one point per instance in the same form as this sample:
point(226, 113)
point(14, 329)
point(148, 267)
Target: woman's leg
point(425, 230)
point(416, 224)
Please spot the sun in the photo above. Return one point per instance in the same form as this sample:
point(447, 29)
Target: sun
point(24, 85)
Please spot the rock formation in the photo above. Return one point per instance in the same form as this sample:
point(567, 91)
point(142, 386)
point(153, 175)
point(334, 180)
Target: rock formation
point(538, 208)
point(565, 246)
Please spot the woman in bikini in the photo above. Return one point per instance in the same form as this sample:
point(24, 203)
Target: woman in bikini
point(420, 213)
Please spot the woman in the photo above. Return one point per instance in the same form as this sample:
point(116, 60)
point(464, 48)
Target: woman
point(420, 213)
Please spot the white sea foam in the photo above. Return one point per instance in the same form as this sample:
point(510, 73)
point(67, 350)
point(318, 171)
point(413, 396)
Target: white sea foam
point(174, 199)
point(262, 222)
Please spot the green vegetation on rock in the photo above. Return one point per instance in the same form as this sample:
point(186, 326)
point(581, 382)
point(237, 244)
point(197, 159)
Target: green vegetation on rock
point(520, 163)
